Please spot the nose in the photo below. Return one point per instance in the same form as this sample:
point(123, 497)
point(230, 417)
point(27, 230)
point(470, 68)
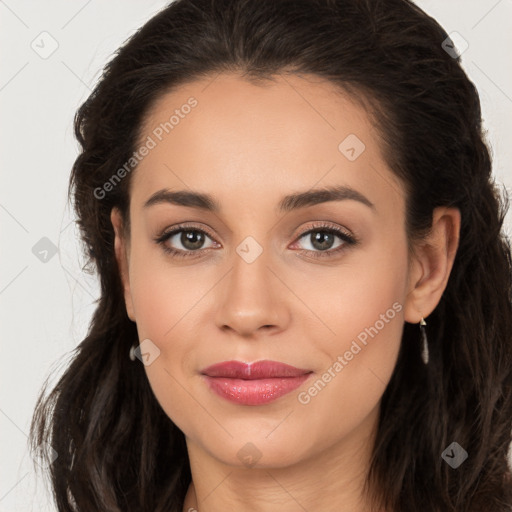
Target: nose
point(252, 299)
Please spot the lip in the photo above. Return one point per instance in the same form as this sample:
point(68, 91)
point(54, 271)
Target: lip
point(255, 383)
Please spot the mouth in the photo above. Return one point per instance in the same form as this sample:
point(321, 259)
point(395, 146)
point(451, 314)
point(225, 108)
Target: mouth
point(255, 383)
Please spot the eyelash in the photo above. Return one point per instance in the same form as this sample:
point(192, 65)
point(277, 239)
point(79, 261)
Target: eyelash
point(349, 240)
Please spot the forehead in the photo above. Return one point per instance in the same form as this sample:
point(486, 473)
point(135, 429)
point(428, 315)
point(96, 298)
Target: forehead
point(224, 135)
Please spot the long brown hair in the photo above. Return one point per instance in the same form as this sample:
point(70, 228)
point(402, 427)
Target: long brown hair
point(117, 449)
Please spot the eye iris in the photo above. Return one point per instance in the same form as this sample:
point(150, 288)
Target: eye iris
point(196, 238)
point(322, 240)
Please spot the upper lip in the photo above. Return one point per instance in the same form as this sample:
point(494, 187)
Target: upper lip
point(250, 371)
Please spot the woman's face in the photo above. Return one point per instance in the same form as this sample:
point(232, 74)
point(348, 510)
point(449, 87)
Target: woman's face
point(261, 283)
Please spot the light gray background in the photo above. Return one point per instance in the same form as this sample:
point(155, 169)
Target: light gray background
point(45, 307)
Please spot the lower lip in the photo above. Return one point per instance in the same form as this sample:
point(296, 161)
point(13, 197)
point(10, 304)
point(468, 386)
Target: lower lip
point(254, 392)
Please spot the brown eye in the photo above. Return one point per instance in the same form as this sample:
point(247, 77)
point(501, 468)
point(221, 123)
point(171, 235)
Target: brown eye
point(322, 239)
point(182, 241)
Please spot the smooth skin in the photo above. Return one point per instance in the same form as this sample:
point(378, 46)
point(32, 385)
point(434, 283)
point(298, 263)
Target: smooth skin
point(248, 146)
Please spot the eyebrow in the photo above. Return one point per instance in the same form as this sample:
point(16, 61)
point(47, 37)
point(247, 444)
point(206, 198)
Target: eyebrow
point(288, 203)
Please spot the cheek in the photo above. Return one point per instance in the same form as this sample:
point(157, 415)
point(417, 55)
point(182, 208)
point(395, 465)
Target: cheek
point(366, 314)
point(161, 294)
point(371, 305)
point(362, 306)
point(165, 302)
point(361, 299)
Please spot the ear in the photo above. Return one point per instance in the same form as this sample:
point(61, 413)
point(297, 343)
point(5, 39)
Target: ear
point(121, 247)
point(431, 265)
